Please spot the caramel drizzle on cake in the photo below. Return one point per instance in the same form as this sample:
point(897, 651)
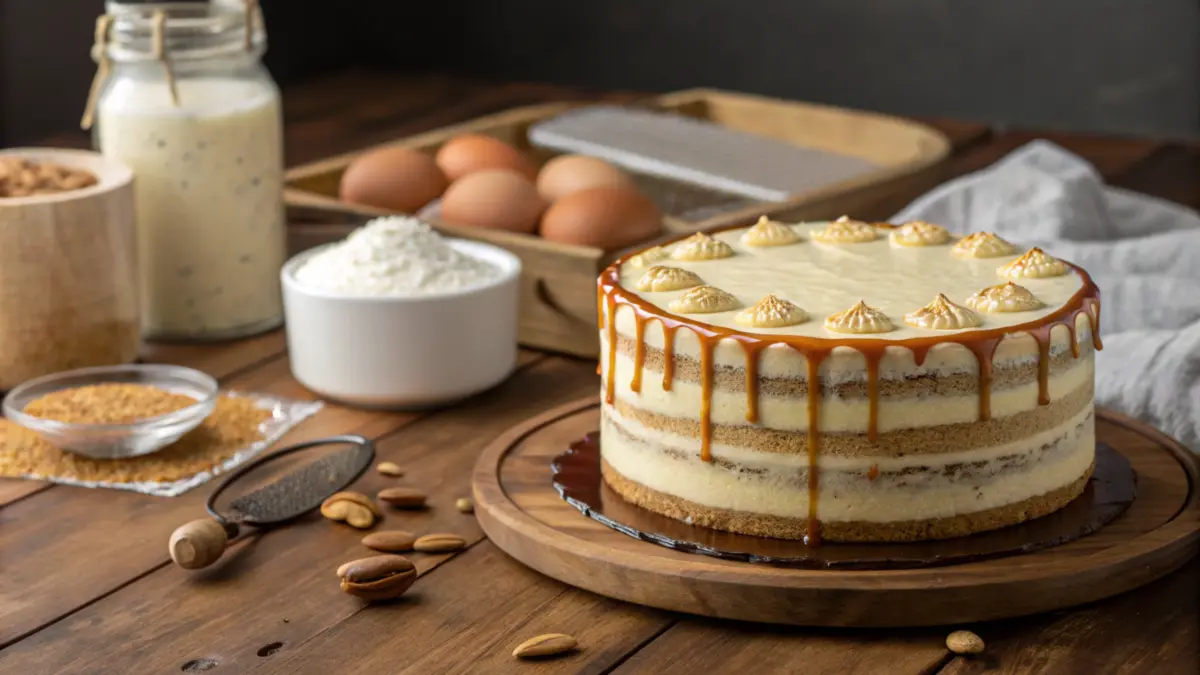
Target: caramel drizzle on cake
point(981, 342)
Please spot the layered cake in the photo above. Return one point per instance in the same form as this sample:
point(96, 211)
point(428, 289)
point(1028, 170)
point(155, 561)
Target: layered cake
point(847, 380)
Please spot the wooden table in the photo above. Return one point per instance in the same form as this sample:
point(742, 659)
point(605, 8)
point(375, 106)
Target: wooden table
point(87, 586)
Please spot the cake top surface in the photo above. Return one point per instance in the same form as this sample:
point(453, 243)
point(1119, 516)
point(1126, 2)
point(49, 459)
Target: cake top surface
point(850, 279)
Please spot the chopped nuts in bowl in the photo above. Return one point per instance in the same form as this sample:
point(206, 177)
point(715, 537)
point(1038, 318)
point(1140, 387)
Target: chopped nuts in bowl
point(25, 177)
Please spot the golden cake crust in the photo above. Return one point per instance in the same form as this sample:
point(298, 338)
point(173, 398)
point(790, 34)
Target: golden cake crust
point(777, 527)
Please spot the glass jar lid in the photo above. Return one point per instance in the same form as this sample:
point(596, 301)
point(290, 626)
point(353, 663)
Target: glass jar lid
point(167, 32)
point(187, 30)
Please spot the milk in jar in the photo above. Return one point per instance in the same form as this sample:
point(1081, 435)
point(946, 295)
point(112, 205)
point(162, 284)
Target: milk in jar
point(201, 129)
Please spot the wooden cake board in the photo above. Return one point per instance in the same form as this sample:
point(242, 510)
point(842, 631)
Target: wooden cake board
point(522, 513)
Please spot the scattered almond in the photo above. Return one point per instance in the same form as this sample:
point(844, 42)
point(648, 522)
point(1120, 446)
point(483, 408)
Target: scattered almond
point(352, 508)
point(550, 644)
point(464, 505)
point(381, 577)
point(439, 543)
point(389, 469)
point(390, 541)
point(964, 642)
point(403, 497)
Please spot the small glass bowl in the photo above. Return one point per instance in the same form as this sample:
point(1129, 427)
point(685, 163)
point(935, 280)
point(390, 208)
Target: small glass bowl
point(115, 441)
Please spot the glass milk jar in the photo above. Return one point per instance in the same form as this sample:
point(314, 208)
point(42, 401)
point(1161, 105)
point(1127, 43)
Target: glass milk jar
point(188, 105)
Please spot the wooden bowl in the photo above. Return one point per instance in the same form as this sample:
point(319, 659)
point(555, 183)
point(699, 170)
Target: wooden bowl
point(68, 272)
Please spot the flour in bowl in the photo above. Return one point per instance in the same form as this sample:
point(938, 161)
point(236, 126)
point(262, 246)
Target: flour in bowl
point(394, 256)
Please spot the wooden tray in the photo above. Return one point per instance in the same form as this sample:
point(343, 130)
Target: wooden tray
point(523, 515)
point(558, 292)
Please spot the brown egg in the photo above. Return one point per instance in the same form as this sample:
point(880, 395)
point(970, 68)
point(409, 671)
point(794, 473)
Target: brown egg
point(496, 198)
point(607, 218)
point(564, 175)
point(469, 153)
point(395, 178)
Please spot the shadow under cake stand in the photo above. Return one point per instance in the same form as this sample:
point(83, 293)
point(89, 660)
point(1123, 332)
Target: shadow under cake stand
point(522, 513)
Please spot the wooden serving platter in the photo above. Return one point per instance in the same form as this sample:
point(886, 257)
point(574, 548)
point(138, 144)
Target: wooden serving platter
point(558, 287)
point(523, 514)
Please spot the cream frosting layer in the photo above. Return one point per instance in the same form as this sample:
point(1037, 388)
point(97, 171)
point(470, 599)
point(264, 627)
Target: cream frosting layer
point(823, 279)
point(836, 414)
point(846, 364)
point(768, 483)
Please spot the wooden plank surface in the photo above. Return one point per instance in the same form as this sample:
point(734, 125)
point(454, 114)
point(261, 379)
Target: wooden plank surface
point(111, 602)
point(289, 571)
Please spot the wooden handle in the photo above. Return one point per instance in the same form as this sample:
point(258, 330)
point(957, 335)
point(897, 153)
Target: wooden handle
point(197, 544)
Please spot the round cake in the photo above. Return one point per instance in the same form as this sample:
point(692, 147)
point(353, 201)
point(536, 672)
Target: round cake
point(846, 380)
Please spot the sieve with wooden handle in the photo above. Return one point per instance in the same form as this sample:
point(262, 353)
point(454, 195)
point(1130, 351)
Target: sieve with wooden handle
point(201, 542)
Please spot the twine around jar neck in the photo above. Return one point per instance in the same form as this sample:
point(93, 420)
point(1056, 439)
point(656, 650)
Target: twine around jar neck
point(119, 36)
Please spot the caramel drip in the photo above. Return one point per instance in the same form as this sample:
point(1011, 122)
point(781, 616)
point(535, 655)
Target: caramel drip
point(610, 325)
point(1042, 336)
point(1074, 338)
point(639, 352)
point(812, 536)
point(873, 358)
point(984, 350)
point(669, 354)
point(919, 353)
point(600, 300)
point(752, 350)
point(1094, 319)
point(706, 391)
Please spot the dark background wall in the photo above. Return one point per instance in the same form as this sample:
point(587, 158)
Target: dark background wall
point(1121, 66)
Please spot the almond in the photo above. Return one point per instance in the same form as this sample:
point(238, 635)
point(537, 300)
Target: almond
point(550, 644)
point(403, 497)
point(390, 541)
point(389, 469)
point(380, 577)
point(359, 516)
point(964, 642)
point(351, 507)
point(439, 543)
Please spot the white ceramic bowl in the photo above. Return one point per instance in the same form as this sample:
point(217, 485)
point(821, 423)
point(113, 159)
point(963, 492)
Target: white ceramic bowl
point(401, 351)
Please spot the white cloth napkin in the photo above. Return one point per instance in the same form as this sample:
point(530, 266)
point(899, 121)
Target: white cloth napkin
point(1143, 252)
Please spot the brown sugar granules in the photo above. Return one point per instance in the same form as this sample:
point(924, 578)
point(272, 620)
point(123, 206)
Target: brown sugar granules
point(107, 404)
point(233, 425)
